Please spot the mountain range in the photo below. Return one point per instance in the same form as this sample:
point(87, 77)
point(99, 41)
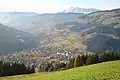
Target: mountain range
point(28, 21)
point(98, 31)
point(79, 10)
point(33, 22)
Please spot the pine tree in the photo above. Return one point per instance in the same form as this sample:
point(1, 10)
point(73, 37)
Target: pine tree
point(78, 61)
point(95, 59)
point(84, 57)
point(89, 60)
point(1, 68)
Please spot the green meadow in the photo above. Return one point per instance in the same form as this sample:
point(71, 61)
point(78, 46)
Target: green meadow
point(101, 71)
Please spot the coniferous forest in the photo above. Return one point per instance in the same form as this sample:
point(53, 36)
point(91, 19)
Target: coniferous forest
point(9, 69)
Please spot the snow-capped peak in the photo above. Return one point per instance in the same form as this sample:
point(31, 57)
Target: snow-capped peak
point(79, 10)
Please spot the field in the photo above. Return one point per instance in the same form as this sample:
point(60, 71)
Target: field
point(102, 71)
point(72, 41)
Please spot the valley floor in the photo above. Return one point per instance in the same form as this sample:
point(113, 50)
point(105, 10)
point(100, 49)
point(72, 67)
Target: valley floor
point(101, 71)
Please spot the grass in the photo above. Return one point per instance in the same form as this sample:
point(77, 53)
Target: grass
point(72, 41)
point(102, 71)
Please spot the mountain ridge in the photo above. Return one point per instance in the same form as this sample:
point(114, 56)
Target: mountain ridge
point(79, 10)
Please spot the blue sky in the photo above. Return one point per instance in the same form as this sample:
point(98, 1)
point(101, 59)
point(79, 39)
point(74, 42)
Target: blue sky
point(47, 6)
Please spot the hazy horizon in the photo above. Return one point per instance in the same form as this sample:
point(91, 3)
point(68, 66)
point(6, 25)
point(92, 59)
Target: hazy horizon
point(53, 6)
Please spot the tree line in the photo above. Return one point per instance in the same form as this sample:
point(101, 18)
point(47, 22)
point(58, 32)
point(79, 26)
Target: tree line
point(9, 69)
point(87, 59)
point(77, 61)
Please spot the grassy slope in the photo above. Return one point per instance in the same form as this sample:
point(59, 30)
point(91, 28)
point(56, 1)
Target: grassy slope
point(102, 71)
point(72, 41)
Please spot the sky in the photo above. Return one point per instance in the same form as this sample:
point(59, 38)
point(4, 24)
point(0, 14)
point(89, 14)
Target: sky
point(52, 6)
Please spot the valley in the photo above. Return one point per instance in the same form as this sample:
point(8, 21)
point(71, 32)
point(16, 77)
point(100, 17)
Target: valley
point(54, 43)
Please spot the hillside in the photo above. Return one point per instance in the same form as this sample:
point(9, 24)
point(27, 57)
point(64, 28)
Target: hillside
point(97, 31)
point(33, 22)
point(108, 17)
point(12, 40)
point(105, 34)
point(91, 72)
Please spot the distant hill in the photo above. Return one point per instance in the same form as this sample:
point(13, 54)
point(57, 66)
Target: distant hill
point(8, 18)
point(79, 10)
point(108, 17)
point(33, 22)
point(46, 21)
point(92, 72)
point(12, 40)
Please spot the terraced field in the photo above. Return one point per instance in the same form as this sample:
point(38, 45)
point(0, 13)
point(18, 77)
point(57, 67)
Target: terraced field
point(102, 71)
